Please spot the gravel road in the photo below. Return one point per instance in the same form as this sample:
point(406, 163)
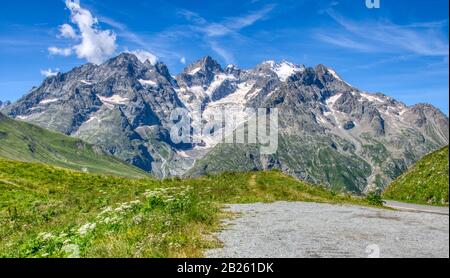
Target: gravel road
point(299, 230)
point(416, 208)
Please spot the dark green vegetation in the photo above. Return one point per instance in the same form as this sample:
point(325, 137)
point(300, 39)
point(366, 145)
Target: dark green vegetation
point(51, 212)
point(26, 142)
point(375, 199)
point(311, 159)
point(426, 182)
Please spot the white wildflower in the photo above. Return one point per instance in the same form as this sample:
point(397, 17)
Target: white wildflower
point(105, 210)
point(72, 250)
point(45, 236)
point(83, 230)
point(135, 202)
point(137, 219)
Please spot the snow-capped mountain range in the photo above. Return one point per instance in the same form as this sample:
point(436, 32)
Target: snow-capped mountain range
point(330, 132)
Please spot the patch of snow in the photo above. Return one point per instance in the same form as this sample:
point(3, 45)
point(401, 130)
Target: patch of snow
point(335, 75)
point(372, 98)
point(86, 82)
point(284, 70)
point(322, 120)
point(46, 101)
point(234, 105)
point(253, 94)
point(270, 63)
point(239, 97)
point(91, 119)
point(147, 82)
point(331, 111)
point(23, 117)
point(197, 90)
point(218, 80)
point(195, 70)
point(30, 116)
point(183, 154)
point(180, 90)
point(331, 100)
point(113, 100)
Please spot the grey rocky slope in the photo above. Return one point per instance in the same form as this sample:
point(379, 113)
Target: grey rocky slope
point(3, 104)
point(122, 106)
point(330, 132)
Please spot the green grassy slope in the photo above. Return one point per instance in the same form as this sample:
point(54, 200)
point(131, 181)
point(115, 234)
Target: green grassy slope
point(25, 142)
point(52, 212)
point(426, 182)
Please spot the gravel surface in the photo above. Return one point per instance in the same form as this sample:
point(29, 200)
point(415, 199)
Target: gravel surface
point(414, 207)
point(298, 230)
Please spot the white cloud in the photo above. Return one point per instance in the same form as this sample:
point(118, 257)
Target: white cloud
point(229, 27)
point(237, 23)
point(60, 51)
point(183, 60)
point(49, 72)
point(222, 52)
point(94, 45)
point(143, 56)
point(67, 31)
point(426, 39)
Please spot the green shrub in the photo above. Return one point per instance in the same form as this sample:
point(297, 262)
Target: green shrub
point(375, 199)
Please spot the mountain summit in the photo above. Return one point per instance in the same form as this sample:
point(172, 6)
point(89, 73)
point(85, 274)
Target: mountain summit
point(330, 132)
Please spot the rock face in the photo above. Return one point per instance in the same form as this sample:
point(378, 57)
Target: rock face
point(329, 132)
point(123, 106)
point(4, 104)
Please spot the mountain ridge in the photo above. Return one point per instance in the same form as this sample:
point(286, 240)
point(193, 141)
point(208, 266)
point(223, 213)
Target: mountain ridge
point(21, 141)
point(124, 107)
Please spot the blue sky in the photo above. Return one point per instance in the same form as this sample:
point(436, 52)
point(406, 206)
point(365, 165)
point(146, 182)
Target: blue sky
point(400, 49)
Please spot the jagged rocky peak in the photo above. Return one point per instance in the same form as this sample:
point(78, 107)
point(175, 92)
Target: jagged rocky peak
point(123, 59)
point(125, 63)
point(283, 69)
point(327, 74)
point(128, 64)
point(200, 74)
point(232, 69)
point(204, 65)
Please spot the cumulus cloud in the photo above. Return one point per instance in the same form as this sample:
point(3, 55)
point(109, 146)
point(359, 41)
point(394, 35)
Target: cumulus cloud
point(183, 60)
point(49, 72)
point(143, 56)
point(93, 44)
point(60, 51)
point(67, 31)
